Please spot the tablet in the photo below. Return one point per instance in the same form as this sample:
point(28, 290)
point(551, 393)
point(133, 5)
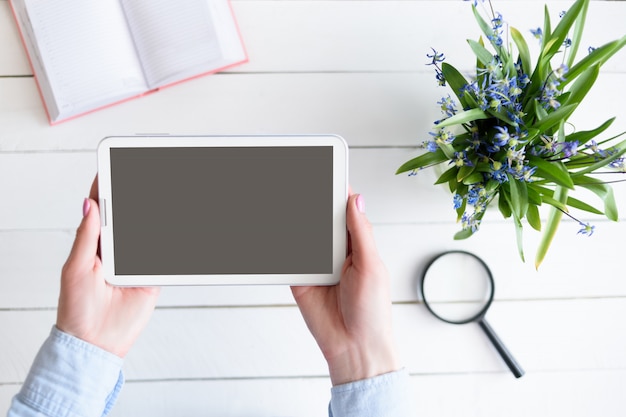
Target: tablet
point(222, 210)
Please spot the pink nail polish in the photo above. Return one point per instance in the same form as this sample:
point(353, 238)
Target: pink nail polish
point(360, 203)
point(86, 207)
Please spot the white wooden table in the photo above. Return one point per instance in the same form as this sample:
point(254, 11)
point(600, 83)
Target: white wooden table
point(354, 68)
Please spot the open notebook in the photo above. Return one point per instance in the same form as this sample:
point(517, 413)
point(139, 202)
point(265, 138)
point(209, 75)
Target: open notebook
point(89, 54)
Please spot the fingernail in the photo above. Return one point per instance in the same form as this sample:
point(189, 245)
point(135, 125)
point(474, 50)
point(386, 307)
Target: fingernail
point(360, 203)
point(86, 207)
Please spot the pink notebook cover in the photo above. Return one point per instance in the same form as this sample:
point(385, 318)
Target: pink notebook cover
point(53, 123)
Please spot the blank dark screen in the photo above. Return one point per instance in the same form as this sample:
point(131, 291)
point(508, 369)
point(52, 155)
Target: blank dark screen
point(224, 210)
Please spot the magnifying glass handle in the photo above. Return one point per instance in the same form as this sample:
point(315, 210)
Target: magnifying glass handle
point(502, 350)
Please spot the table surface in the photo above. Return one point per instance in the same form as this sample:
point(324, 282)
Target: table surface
point(353, 68)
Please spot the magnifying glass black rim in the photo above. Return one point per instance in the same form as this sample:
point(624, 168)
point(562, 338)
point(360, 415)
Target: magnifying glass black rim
point(475, 317)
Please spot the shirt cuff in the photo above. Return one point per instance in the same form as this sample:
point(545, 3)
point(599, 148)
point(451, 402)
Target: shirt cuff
point(384, 395)
point(72, 378)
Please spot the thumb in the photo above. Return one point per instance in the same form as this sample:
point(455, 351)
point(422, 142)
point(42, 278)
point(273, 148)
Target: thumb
point(85, 246)
point(360, 230)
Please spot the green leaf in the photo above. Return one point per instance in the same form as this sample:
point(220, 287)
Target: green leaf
point(616, 152)
point(553, 171)
point(473, 178)
point(563, 28)
point(464, 172)
point(516, 219)
point(534, 197)
point(585, 136)
point(598, 56)
point(519, 237)
point(483, 55)
point(554, 118)
point(457, 82)
point(554, 203)
point(424, 160)
point(552, 224)
point(464, 117)
point(546, 197)
point(463, 234)
point(532, 215)
point(504, 206)
point(581, 205)
point(502, 115)
point(583, 84)
point(488, 31)
point(447, 176)
point(519, 197)
point(522, 47)
point(547, 29)
point(578, 33)
point(602, 190)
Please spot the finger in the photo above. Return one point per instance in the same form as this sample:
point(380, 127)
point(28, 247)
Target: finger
point(93, 192)
point(361, 237)
point(86, 243)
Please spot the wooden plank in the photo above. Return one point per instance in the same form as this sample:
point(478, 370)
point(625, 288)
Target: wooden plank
point(46, 190)
point(234, 104)
point(574, 394)
point(313, 36)
point(30, 264)
point(40, 212)
point(367, 109)
point(385, 36)
point(273, 342)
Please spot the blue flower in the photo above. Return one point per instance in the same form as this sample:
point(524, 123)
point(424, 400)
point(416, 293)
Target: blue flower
point(497, 21)
point(498, 172)
point(587, 229)
point(569, 149)
point(442, 137)
point(537, 33)
point(528, 172)
point(476, 194)
point(436, 57)
point(593, 146)
point(524, 79)
point(560, 72)
point(431, 145)
point(448, 106)
point(502, 137)
point(460, 159)
point(441, 80)
point(469, 222)
point(457, 201)
point(618, 164)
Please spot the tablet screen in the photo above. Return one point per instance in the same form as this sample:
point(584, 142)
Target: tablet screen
point(222, 210)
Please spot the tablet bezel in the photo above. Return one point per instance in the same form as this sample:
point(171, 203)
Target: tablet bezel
point(340, 195)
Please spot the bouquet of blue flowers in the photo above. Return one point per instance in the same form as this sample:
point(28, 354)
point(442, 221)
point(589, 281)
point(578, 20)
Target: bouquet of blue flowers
point(503, 136)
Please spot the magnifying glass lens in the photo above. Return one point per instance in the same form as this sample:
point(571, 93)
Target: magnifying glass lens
point(457, 287)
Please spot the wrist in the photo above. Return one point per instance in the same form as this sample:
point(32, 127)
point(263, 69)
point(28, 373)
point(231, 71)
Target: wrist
point(357, 364)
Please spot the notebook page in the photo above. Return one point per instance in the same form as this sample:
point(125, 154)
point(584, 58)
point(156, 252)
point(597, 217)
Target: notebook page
point(87, 52)
point(178, 40)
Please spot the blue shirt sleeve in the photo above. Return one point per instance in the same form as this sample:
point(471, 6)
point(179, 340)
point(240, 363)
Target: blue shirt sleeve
point(385, 395)
point(69, 378)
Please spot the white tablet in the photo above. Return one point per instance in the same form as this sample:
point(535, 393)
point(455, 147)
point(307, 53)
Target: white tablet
point(222, 210)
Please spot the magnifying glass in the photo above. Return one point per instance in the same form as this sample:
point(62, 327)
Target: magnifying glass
point(457, 287)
